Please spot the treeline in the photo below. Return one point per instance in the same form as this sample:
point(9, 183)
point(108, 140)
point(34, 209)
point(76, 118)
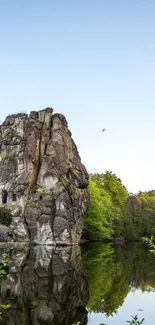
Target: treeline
point(114, 213)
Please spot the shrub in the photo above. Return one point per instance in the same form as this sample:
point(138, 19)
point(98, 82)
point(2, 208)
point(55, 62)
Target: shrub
point(5, 216)
point(5, 155)
point(41, 190)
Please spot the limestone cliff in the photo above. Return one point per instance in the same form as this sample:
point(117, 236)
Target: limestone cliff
point(42, 179)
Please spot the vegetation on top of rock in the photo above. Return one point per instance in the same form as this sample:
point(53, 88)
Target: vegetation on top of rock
point(41, 190)
point(4, 264)
point(6, 156)
point(3, 272)
point(5, 216)
point(3, 308)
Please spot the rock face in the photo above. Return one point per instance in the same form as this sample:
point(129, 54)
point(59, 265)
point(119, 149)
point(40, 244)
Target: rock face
point(49, 288)
point(42, 179)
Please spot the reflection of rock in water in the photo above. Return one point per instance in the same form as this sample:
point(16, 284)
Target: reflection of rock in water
point(51, 288)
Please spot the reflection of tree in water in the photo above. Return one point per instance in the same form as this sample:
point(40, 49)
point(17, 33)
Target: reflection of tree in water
point(49, 289)
point(111, 272)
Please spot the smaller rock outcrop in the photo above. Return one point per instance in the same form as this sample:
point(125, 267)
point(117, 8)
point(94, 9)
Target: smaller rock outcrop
point(42, 179)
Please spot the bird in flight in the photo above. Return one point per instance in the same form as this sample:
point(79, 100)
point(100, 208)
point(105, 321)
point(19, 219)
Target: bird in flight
point(103, 130)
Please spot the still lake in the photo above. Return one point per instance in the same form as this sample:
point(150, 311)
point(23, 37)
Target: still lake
point(95, 284)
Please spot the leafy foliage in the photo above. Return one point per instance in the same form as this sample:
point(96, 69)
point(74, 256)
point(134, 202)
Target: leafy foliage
point(113, 185)
point(3, 271)
point(3, 308)
point(135, 320)
point(4, 264)
point(41, 190)
point(6, 156)
point(5, 216)
point(107, 197)
point(98, 221)
point(139, 217)
point(113, 213)
point(150, 243)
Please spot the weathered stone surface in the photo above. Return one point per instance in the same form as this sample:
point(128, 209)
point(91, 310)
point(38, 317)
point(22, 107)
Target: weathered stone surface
point(42, 179)
point(45, 286)
point(19, 230)
point(42, 314)
point(4, 233)
point(58, 225)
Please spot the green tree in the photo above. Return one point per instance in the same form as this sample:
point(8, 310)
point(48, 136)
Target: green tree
point(99, 218)
point(107, 198)
point(113, 213)
point(139, 217)
point(114, 187)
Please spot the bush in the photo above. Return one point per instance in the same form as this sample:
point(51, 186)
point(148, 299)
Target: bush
point(6, 156)
point(5, 216)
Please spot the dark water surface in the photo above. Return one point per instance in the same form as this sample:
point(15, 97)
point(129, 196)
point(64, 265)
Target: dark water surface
point(61, 286)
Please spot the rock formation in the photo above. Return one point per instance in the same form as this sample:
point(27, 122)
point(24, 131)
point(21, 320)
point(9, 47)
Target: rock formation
point(49, 288)
point(42, 179)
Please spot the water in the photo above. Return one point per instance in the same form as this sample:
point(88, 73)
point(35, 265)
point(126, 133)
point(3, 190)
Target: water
point(61, 286)
point(121, 283)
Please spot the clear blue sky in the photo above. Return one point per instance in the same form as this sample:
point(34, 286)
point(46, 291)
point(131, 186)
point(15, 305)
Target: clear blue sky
point(94, 62)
